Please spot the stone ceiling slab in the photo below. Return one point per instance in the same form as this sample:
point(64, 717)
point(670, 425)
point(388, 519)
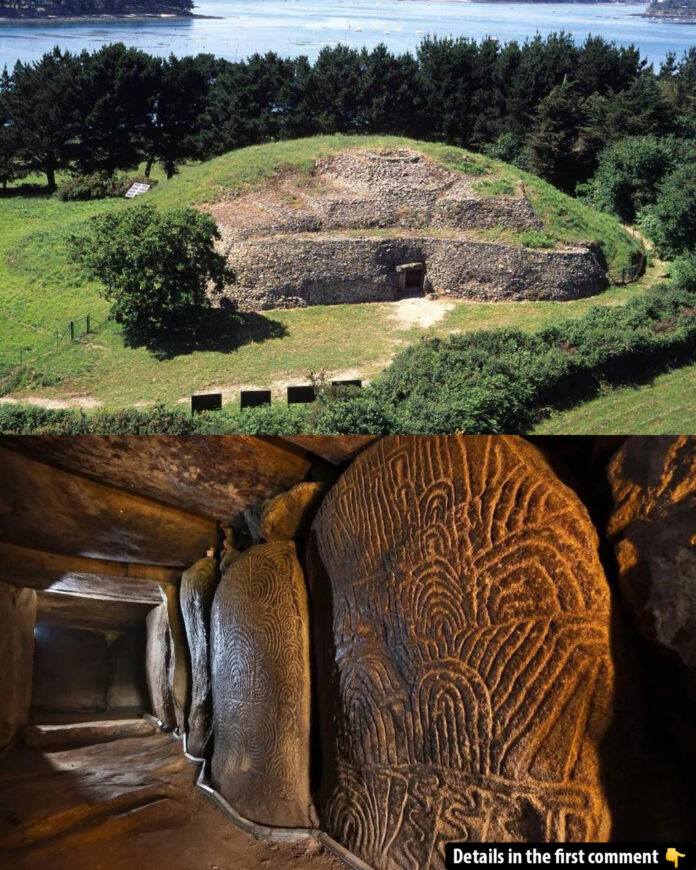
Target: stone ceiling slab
point(75, 611)
point(98, 578)
point(50, 509)
point(215, 477)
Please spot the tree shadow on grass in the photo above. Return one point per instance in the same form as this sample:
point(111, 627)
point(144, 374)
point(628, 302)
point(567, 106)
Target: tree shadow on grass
point(218, 329)
point(25, 191)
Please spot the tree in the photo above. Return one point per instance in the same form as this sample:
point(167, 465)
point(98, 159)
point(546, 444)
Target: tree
point(671, 221)
point(10, 164)
point(117, 94)
point(42, 104)
point(553, 141)
point(158, 269)
point(173, 129)
point(629, 172)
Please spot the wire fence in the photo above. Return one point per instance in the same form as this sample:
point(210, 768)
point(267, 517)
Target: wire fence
point(73, 330)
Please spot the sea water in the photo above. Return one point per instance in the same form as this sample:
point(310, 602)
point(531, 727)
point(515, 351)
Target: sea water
point(295, 27)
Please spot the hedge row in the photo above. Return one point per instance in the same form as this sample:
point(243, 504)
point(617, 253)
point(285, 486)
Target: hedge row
point(489, 381)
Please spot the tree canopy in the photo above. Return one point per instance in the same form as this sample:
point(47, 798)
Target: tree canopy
point(158, 269)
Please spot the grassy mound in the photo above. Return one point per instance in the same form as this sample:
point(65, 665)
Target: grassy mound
point(41, 289)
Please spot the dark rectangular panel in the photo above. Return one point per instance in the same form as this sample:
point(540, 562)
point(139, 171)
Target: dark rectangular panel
point(301, 395)
point(254, 398)
point(206, 402)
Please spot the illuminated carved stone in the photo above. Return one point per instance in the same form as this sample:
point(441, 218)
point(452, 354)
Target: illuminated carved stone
point(198, 586)
point(157, 656)
point(261, 687)
point(286, 515)
point(654, 528)
point(461, 624)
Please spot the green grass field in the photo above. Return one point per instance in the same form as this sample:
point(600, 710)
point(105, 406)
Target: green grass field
point(41, 289)
point(667, 406)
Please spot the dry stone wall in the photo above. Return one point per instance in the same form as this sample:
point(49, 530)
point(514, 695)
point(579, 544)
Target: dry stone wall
point(294, 271)
point(463, 653)
point(311, 240)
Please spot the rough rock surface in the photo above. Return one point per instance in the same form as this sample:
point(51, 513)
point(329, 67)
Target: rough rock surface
point(654, 529)
point(286, 515)
point(296, 270)
point(17, 619)
point(345, 233)
point(462, 630)
point(157, 656)
point(198, 586)
point(261, 687)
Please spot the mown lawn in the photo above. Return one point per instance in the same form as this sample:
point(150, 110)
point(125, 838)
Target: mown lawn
point(667, 406)
point(41, 289)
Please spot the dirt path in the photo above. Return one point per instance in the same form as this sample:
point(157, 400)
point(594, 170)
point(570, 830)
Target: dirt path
point(76, 402)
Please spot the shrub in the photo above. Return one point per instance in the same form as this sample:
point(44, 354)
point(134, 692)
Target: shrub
point(630, 171)
point(157, 269)
point(266, 420)
point(20, 420)
point(358, 414)
point(98, 186)
point(671, 220)
point(537, 239)
point(479, 382)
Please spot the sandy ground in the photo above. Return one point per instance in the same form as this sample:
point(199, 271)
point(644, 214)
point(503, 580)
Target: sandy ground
point(419, 311)
point(129, 804)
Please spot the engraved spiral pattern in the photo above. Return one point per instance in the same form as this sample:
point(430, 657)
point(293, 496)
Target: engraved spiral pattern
point(470, 661)
point(261, 688)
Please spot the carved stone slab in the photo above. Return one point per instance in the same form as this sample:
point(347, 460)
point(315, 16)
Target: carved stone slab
point(261, 687)
point(654, 529)
point(290, 513)
point(461, 623)
point(197, 591)
point(157, 656)
point(179, 660)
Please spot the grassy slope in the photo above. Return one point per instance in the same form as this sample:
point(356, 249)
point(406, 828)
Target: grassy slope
point(664, 407)
point(41, 289)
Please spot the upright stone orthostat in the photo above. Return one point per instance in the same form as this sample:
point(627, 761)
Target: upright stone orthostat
point(179, 661)
point(157, 657)
point(261, 687)
point(17, 621)
point(462, 636)
point(653, 526)
point(198, 586)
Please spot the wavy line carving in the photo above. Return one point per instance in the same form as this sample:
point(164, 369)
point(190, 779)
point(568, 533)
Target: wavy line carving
point(469, 651)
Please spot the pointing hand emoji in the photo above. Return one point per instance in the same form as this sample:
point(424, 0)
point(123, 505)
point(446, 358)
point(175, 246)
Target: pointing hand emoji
point(674, 856)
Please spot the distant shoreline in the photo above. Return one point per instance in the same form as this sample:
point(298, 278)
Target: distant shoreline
point(674, 18)
point(137, 17)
